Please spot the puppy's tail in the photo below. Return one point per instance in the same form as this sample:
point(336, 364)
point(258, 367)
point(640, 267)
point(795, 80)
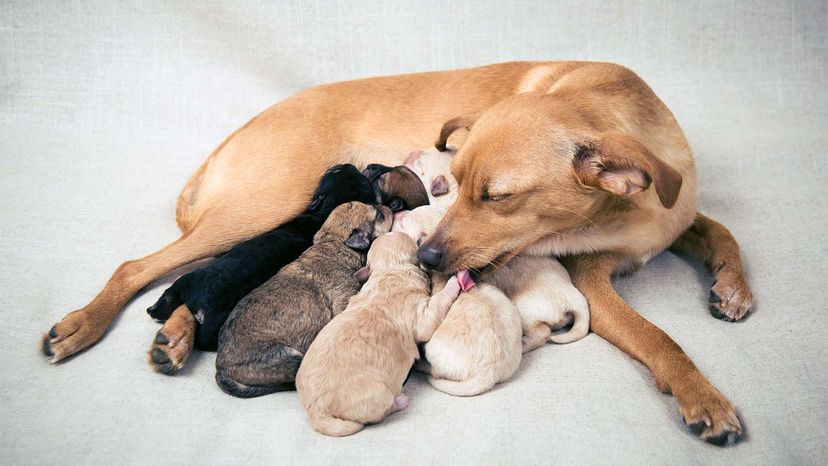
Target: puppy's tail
point(240, 390)
point(329, 425)
point(474, 386)
point(580, 320)
point(166, 304)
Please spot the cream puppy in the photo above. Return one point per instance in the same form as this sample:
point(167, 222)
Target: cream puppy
point(542, 291)
point(353, 372)
point(478, 344)
point(434, 170)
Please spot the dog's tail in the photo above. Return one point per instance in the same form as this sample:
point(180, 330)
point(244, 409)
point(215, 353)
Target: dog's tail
point(476, 385)
point(329, 425)
point(166, 304)
point(580, 320)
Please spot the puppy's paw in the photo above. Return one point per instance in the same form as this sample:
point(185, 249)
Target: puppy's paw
point(452, 288)
point(710, 415)
point(730, 297)
point(74, 333)
point(173, 343)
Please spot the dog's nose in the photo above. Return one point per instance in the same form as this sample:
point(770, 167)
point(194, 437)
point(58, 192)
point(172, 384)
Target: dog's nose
point(430, 256)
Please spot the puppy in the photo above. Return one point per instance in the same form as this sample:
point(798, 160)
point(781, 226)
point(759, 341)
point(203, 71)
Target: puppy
point(542, 291)
point(353, 372)
point(539, 287)
point(478, 344)
point(211, 292)
point(262, 343)
point(397, 187)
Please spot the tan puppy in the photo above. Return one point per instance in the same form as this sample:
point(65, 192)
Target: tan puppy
point(544, 295)
point(264, 174)
point(353, 372)
point(478, 344)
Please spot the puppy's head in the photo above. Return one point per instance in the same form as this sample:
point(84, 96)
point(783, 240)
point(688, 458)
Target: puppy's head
point(391, 251)
point(356, 225)
point(340, 184)
point(397, 187)
point(433, 167)
point(535, 165)
point(419, 223)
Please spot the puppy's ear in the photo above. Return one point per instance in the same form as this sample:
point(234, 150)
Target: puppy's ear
point(317, 201)
point(363, 274)
point(439, 186)
point(359, 240)
point(622, 165)
point(449, 128)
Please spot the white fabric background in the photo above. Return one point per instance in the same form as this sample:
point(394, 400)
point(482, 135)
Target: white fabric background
point(107, 107)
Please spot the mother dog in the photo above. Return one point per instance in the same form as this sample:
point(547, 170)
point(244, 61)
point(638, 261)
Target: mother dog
point(610, 181)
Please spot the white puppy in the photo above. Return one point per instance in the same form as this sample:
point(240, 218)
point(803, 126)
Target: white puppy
point(544, 295)
point(539, 286)
point(479, 342)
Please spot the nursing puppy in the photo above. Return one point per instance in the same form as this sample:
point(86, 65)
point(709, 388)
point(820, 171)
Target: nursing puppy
point(478, 344)
point(263, 341)
point(538, 286)
point(547, 300)
point(397, 187)
point(211, 292)
point(353, 372)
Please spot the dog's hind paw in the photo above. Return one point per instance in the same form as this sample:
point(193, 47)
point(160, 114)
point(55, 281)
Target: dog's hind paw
point(74, 333)
point(173, 343)
point(730, 297)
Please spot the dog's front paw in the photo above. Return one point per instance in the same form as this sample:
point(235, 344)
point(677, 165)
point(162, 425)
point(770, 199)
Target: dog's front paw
point(709, 414)
point(730, 297)
point(75, 332)
point(173, 343)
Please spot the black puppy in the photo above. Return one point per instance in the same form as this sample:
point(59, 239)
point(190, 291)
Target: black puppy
point(211, 293)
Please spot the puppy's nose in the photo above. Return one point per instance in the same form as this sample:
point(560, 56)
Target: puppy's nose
point(430, 256)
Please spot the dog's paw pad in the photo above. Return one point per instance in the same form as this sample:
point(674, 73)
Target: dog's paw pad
point(712, 417)
point(730, 298)
point(173, 344)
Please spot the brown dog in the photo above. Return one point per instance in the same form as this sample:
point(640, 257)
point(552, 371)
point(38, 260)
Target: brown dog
point(382, 119)
point(353, 372)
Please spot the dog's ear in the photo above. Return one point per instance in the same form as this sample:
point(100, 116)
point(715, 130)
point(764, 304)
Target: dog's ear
point(359, 240)
point(622, 165)
point(449, 128)
point(363, 274)
point(439, 186)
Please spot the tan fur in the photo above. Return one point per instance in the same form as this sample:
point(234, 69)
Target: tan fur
point(353, 372)
point(264, 174)
point(478, 345)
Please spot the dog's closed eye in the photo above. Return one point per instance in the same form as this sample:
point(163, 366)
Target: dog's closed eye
point(486, 197)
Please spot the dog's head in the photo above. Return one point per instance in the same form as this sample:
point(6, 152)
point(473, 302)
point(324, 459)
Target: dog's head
point(433, 167)
point(419, 223)
point(397, 187)
point(356, 225)
point(340, 184)
point(390, 251)
point(533, 166)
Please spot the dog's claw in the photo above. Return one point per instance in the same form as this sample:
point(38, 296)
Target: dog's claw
point(173, 344)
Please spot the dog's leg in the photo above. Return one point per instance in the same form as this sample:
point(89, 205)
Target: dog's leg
point(710, 241)
point(216, 232)
point(704, 408)
point(174, 342)
point(433, 310)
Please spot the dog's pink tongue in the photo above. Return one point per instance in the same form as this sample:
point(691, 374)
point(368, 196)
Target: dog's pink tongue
point(465, 279)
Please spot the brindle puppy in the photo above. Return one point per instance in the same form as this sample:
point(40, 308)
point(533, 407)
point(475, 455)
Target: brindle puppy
point(266, 336)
